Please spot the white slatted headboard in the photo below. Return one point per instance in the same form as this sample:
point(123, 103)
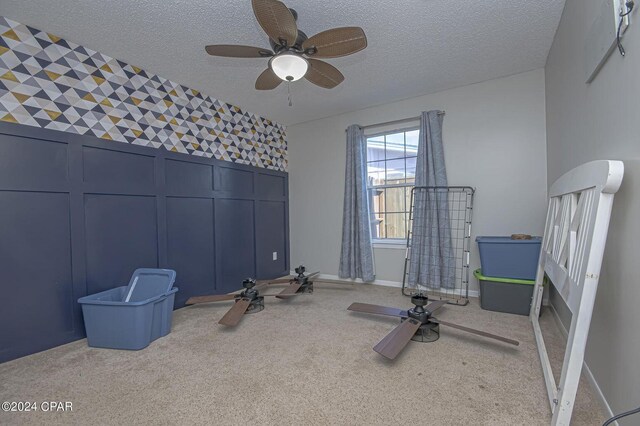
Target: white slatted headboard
point(572, 248)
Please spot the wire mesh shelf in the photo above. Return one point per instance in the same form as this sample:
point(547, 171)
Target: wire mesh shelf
point(460, 208)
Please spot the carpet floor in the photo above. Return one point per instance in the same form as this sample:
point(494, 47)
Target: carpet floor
point(306, 361)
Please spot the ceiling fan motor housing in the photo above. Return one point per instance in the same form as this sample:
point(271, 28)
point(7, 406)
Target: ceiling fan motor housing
point(278, 47)
point(250, 292)
point(306, 286)
point(248, 283)
point(256, 301)
point(256, 304)
point(428, 331)
point(420, 314)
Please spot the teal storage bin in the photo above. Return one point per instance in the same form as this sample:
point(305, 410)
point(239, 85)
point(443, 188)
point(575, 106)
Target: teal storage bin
point(504, 294)
point(121, 318)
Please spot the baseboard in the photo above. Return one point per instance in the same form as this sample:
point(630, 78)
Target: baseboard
point(587, 371)
point(384, 283)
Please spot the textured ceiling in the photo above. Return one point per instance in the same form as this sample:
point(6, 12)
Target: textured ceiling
point(415, 46)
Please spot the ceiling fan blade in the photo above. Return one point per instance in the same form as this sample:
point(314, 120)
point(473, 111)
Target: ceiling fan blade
point(291, 290)
point(260, 286)
point(275, 281)
point(330, 281)
point(434, 306)
point(213, 298)
point(237, 51)
point(474, 331)
point(395, 341)
point(234, 315)
point(323, 74)
point(268, 80)
point(377, 309)
point(276, 20)
point(337, 42)
point(278, 296)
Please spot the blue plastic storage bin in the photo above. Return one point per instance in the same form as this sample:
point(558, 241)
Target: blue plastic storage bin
point(503, 257)
point(111, 322)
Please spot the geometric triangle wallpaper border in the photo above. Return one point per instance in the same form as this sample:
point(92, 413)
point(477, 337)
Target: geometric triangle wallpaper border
point(46, 81)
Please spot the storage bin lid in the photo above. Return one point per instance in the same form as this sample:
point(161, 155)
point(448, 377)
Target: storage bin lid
point(478, 274)
point(507, 240)
point(147, 283)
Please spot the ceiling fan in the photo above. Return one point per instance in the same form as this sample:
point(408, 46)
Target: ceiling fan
point(418, 324)
point(301, 283)
point(247, 302)
point(293, 55)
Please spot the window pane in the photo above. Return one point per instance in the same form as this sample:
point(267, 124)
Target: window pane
point(412, 142)
point(411, 169)
point(395, 200)
point(375, 149)
point(376, 231)
point(407, 221)
point(395, 171)
point(407, 198)
point(377, 200)
point(375, 220)
point(376, 173)
point(395, 225)
point(395, 145)
point(381, 229)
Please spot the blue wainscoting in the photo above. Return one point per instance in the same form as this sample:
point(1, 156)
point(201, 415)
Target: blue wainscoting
point(78, 214)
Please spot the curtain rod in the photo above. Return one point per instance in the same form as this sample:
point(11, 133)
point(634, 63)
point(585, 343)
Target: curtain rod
point(387, 123)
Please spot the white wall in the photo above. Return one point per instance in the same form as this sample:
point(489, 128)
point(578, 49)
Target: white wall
point(601, 120)
point(494, 138)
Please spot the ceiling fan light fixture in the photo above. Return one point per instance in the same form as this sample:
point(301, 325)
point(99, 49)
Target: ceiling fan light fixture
point(289, 66)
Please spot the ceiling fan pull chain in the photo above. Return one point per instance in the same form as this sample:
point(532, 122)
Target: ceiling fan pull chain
point(289, 92)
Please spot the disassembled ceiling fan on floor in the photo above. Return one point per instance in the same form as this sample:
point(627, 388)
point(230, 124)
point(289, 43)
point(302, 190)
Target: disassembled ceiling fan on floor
point(293, 55)
point(248, 301)
point(302, 283)
point(418, 324)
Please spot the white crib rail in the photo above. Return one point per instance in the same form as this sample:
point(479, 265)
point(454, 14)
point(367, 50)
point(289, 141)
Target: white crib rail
point(571, 256)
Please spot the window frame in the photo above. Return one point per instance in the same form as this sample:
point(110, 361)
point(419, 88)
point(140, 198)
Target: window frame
point(392, 243)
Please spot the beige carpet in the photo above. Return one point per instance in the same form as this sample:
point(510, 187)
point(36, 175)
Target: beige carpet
point(303, 361)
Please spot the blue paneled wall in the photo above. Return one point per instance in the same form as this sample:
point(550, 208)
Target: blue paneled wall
point(79, 214)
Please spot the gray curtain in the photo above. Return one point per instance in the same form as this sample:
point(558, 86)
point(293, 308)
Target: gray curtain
point(432, 260)
point(356, 257)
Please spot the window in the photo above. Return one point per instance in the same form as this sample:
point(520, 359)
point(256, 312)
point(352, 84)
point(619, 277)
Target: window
point(391, 170)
